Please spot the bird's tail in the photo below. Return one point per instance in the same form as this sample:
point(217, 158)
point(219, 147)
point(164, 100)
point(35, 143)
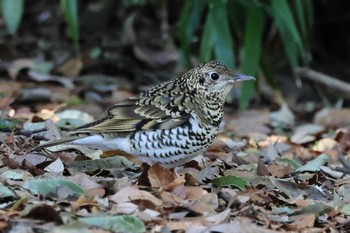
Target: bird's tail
point(57, 142)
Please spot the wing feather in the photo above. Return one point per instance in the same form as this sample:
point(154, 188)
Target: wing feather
point(147, 111)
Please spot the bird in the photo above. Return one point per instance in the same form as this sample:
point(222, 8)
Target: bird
point(170, 123)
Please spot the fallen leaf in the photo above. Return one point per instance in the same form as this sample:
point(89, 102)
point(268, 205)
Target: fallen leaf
point(279, 170)
point(231, 181)
point(234, 227)
point(55, 167)
point(315, 164)
point(160, 177)
point(89, 185)
point(304, 221)
point(283, 117)
point(58, 187)
point(83, 201)
point(133, 193)
point(306, 133)
point(333, 118)
point(261, 170)
point(127, 223)
point(72, 67)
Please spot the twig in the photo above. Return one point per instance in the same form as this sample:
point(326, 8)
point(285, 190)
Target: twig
point(324, 79)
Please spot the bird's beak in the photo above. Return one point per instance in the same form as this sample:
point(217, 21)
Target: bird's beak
point(241, 77)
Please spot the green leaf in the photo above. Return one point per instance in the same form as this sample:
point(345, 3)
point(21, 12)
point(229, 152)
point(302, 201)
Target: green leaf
point(14, 174)
point(116, 223)
point(6, 125)
point(188, 23)
point(134, 2)
point(300, 16)
point(345, 209)
point(291, 162)
point(50, 186)
point(95, 53)
point(315, 164)
point(206, 46)
point(287, 28)
point(12, 11)
point(6, 192)
point(319, 208)
point(290, 188)
point(70, 12)
point(252, 52)
point(231, 181)
point(217, 36)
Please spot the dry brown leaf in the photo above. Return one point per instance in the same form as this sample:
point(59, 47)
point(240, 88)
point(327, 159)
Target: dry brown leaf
point(272, 140)
point(304, 221)
point(189, 193)
point(200, 222)
point(133, 193)
point(325, 144)
point(235, 227)
point(261, 169)
point(171, 200)
point(89, 185)
point(333, 118)
point(166, 179)
point(72, 67)
point(84, 201)
point(206, 205)
point(279, 170)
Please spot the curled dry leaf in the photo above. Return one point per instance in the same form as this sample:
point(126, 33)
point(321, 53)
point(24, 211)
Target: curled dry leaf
point(166, 179)
point(84, 201)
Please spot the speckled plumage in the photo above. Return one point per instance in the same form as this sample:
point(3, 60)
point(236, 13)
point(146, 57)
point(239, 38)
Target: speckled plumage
point(169, 124)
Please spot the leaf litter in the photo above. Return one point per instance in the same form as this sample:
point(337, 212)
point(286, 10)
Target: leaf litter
point(258, 180)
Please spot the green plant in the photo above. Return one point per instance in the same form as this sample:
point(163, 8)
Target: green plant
point(70, 12)
point(12, 11)
point(253, 23)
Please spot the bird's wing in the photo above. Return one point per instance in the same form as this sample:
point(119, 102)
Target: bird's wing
point(142, 113)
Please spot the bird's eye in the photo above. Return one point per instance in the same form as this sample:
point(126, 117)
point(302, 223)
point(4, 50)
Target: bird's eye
point(214, 76)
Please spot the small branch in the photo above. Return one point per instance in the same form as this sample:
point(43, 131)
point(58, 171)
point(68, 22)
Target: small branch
point(324, 79)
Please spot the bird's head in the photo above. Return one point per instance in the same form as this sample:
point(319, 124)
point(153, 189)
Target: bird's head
point(213, 80)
